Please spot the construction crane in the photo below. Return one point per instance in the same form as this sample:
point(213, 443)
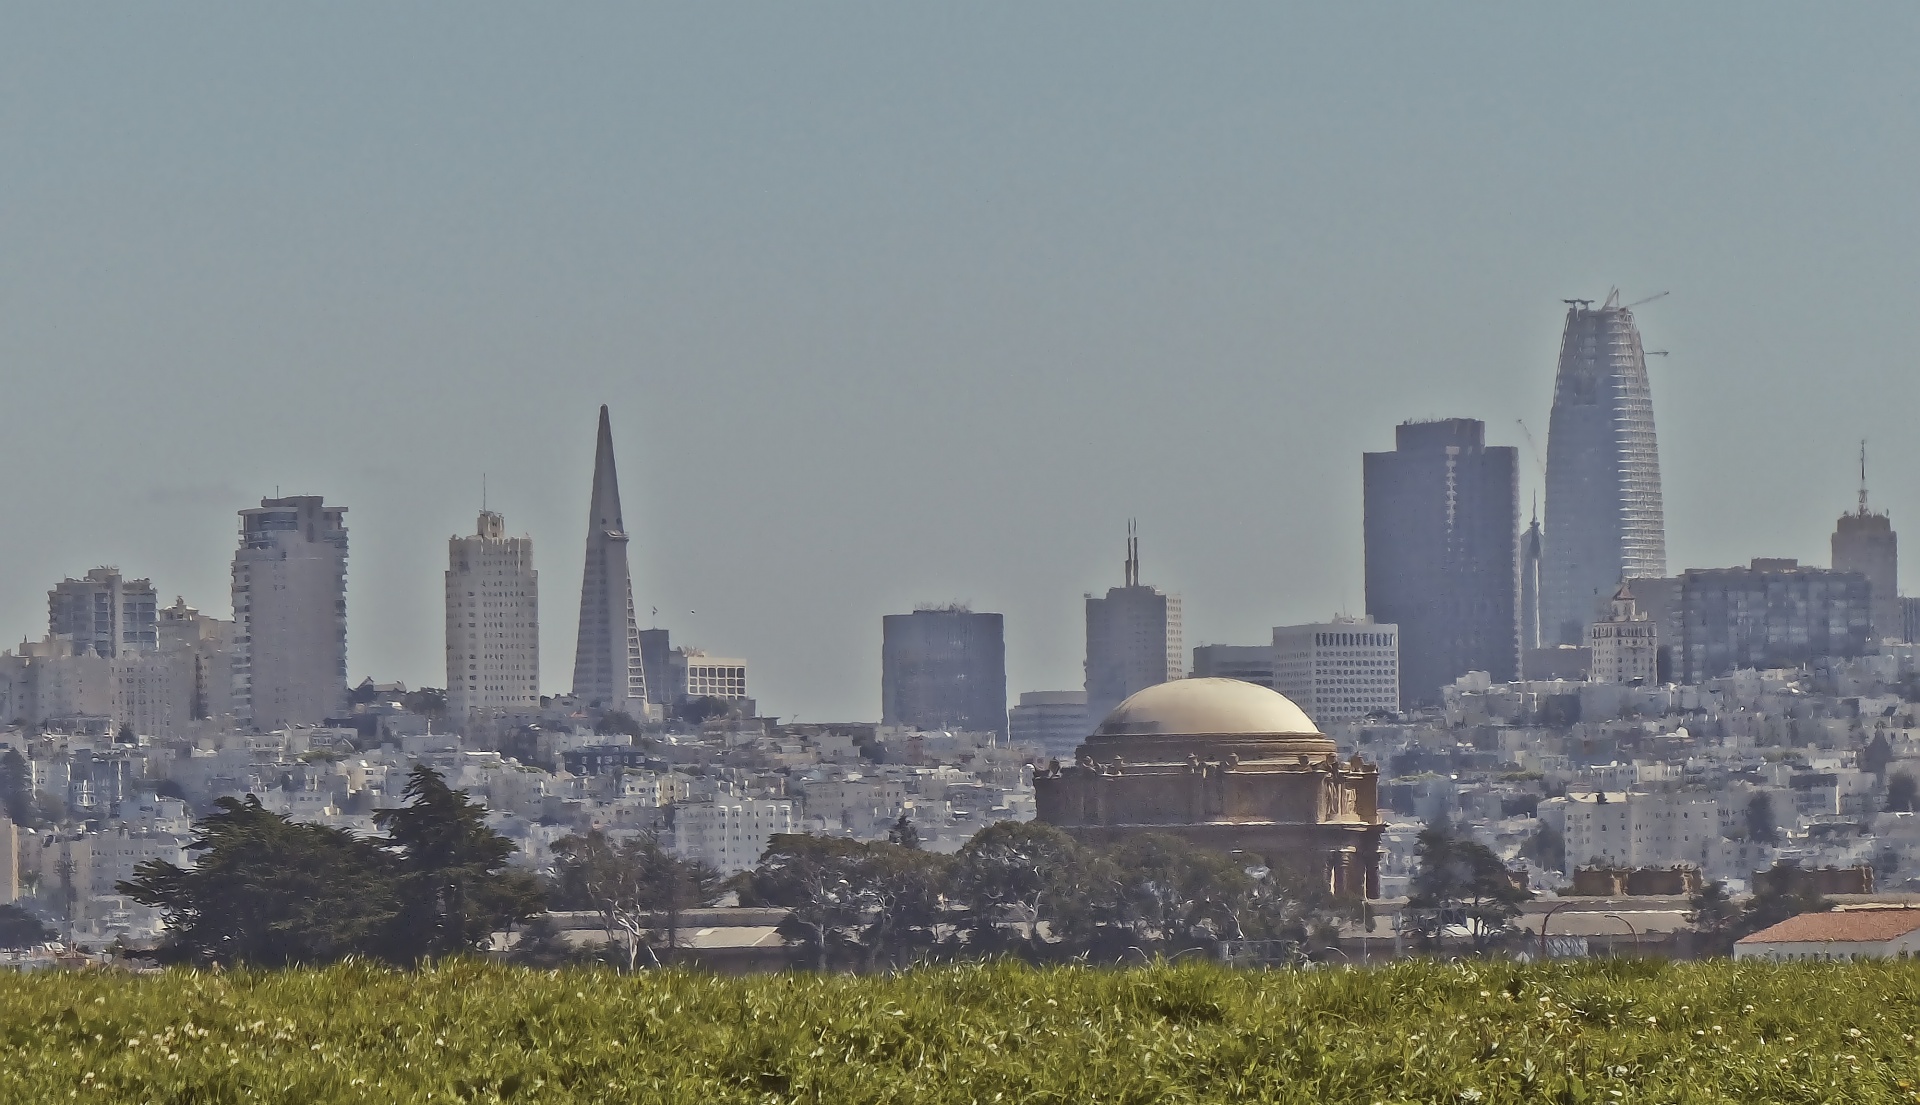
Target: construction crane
point(1532, 448)
point(1649, 299)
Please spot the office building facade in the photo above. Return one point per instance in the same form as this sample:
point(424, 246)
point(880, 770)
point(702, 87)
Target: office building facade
point(1864, 542)
point(493, 623)
point(1055, 722)
point(1605, 519)
point(1338, 670)
point(1441, 532)
point(290, 613)
point(1771, 614)
point(1247, 663)
point(1134, 639)
point(944, 668)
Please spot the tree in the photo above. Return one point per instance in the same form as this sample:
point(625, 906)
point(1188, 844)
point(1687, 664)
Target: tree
point(48, 808)
point(817, 878)
point(454, 877)
point(1713, 915)
point(899, 892)
point(1760, 823)
point(638, 888)
point(1546, 847)
point(1459, 881)
point(1027, 872)
point(16, 788)
point(426, 701)
point(618, 721)
point(1903, 794)
point(904, 834)
point(1172, 897)
point(543, 945)
point(20, 929)
point(272, 893)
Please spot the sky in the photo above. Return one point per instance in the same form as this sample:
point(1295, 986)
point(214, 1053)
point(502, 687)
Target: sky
point(897, 304)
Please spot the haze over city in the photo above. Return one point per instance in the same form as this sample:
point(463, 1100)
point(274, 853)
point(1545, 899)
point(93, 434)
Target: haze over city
point(902, 306)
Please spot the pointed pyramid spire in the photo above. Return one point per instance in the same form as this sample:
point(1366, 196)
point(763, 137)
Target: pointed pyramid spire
point(605, 510)
point(607, 673)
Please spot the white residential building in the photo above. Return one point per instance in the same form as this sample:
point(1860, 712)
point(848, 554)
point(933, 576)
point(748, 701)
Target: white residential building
point(290, 613)
point(103, 614)
point(493, 623)
point(1626, 646)
point(1635, 829)
point(727, 832)
point(1338, 670)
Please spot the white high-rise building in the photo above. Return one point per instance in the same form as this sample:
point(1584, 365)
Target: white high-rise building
point(1338, 670)
point(290, 613)
point(493, 623)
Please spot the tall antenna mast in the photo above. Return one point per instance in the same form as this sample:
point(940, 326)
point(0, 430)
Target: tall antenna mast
point(1863, 477)
point(1133, 555)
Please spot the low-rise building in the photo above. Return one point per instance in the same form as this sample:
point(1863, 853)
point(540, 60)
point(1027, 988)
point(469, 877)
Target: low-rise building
point(1838, 934)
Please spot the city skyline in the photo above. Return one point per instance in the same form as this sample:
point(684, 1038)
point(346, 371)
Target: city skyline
point(342, 257)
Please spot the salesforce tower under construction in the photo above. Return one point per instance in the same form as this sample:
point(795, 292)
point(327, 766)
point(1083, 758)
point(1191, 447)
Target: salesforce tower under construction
point(1604, 520)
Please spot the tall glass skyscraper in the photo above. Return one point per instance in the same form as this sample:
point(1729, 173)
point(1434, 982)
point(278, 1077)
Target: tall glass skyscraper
point(1604, 518)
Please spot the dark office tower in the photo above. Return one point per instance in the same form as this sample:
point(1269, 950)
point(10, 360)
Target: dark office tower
point(1531, 546)
point(607, 670)
point(1770, 614)
point(1864, 542)
point(944, 668)
point(1442, 512)
point(1605, 522)
point(1133, 639)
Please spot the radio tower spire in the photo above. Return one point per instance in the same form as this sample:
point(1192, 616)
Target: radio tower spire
point(1863, 477)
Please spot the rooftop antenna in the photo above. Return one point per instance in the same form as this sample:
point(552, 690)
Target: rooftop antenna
point(1863, 477)
point(1133, 555)
point(483, 492)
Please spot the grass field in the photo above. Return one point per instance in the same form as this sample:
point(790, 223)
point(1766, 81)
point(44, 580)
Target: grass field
point(1475, 1033)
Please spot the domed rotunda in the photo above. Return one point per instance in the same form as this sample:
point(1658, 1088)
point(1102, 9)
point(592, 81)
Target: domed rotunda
point(1230, 766)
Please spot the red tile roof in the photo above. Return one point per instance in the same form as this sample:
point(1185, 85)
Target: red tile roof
point(1864, 926)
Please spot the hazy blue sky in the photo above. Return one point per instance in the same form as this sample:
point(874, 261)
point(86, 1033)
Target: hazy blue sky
point(900, 303)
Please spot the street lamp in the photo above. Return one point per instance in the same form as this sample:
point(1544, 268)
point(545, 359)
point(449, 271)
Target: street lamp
point(1557, 907)
point(1635, 933)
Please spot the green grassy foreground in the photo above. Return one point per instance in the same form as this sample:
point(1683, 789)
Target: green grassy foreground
point(1476, 1033)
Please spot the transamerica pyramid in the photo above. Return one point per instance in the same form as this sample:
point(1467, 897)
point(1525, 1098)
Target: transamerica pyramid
point(607, 673)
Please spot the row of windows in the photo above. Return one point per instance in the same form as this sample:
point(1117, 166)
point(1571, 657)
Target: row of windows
point(1375, 640)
